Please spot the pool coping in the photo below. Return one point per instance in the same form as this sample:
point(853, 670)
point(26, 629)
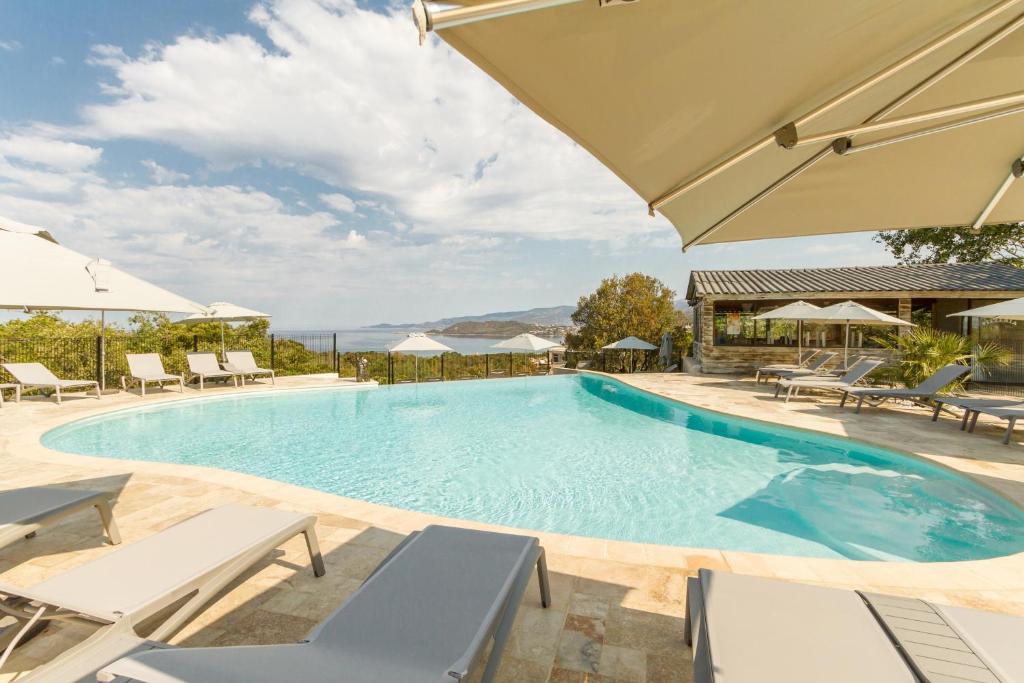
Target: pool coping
point(972, 575)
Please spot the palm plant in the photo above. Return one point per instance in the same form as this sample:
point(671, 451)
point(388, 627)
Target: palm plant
point(924, 350)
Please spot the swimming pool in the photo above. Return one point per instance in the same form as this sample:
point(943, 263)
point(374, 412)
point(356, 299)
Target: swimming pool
point(581, 455)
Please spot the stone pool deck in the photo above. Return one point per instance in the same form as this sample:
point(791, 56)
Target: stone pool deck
point(618, 607)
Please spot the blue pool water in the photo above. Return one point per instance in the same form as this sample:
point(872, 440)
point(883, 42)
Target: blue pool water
point(579, 455)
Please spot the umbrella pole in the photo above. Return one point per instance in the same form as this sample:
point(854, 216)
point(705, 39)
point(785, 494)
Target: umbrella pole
point(799, 341)
point(846, 346)
point(103, 350)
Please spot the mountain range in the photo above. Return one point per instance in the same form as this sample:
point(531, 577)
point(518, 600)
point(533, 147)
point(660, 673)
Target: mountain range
point(552, 315)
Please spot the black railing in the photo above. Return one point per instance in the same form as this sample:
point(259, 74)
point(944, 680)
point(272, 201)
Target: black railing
point(1007, 379)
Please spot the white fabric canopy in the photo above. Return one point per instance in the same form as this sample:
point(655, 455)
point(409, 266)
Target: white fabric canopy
point(631, 343)
point(39, 274)
point(1004, 310)
point(526, 342)
point(722, 115)
point(851, 312)
point(798, 311)
point(417, 342)
point(226, 312)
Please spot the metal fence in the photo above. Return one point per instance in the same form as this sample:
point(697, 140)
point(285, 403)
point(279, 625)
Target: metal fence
point(1007, 379)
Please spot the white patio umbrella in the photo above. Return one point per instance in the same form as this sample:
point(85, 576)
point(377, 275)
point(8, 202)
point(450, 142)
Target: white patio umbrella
point(633, 344)
point(849, 312)
point(820, 117)
point(224, 312)
point(416, 343)
point(1004, 310)
point(798, 311)
point(40, 274)
point(525, 343)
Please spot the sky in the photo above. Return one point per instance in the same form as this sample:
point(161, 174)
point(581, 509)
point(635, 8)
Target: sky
point(309, 159)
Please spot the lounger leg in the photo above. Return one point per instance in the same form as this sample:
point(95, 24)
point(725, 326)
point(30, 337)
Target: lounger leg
point(109, 525)
point(842, 401)
point(964, 419)
point(860, 402)
point(58, 395)
point(542, 580)
point(778, 388)
point(314, 552)
point(757, 377)
point(935, 413)
point(1009, 430)
point(30, 535)
point(789, 393)
point(200, 382)
point(974, 421)
point(142, 382)
point(98, 394)
point(273, 381)
point(504, 629)
point(181, 385)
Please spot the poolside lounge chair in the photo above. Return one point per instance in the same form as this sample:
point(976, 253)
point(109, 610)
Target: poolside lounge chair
point(30, 375)
point(425, 614)
point(171, 575)
point(244, 364)
point(1008, 409)
point(815, 367)
point(147, 367)
point(925, 391)
point(804, 360)
point(17, 392)
point(856, 373)
point(747, 628)
point(24, 511)
point(203, 365)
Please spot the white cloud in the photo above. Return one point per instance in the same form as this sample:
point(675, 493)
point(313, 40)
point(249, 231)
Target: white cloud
point(57, 61)
point(347, 96)
point(162, 175)
point(9, 45)
point(339, 202)
point(48, 151)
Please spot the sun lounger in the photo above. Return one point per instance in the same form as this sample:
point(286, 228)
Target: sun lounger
point(925, 391)
point(844, 384)
point(969, 405)
point(816, 367)
point(805, 359)
point(171, 575)
point(425, 614)
point(24, 511)
point(17, 392)
point(1004, 409)
point(204, 366)
point(747, 628)
point(244, 364)
point(36, 375)
point(147, 367)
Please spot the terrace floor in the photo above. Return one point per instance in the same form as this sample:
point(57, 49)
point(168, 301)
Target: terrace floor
point(618, 607)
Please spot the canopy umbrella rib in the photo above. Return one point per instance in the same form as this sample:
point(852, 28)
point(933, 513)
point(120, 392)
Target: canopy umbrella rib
point(842, 68)
point(224, 312)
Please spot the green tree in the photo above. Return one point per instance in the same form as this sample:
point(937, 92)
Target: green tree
point(923, 350)
point(633, 305)
point(1003, 243)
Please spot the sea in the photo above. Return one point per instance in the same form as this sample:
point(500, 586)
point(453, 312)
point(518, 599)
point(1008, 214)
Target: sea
point(380, 339)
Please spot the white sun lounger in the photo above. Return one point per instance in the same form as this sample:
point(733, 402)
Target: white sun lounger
point(856, 373)
point(30, 375)
point(805, 359)
point(147, 367)
point(426, 614)
point(24, 511)
point(925, 391)
point(204, 365)
point(816, 367)
point(171, 574)
point(749, 628)
point(244, 364)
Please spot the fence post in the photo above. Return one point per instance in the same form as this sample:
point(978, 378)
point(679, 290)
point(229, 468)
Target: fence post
point(442, 367)
point(99, 359)
point(487, 366)
point(195, 342)
point(337, 365)
point(271, 352)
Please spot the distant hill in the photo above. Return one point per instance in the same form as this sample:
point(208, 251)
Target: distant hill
point(487, 328)
point(554, 316)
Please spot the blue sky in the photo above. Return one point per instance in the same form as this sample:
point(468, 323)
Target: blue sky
point(308, 158)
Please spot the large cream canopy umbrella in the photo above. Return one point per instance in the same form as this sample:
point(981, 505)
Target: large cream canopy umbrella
point(526, 342)
point(40, 274)
point(851, 312)
point(798, 311)
point(727, 117)
point(417, 343)
point(224, 312)
point(1004, 310)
